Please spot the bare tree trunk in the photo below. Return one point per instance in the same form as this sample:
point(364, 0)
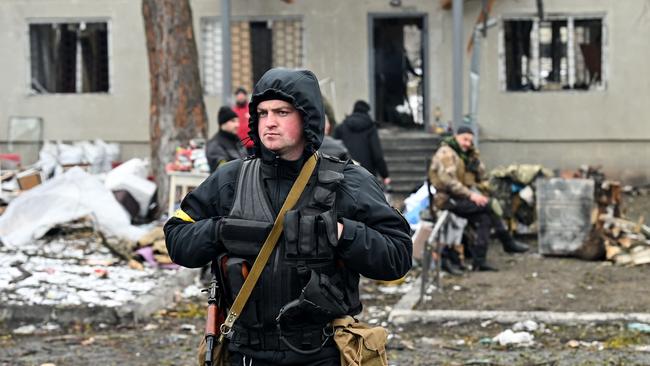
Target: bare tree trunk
point(177, 112)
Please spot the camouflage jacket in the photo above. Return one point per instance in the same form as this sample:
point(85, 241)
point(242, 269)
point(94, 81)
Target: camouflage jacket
point(450, 176)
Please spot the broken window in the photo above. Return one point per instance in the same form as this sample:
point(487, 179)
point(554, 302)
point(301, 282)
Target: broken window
point(69, 57)
point(556, 53)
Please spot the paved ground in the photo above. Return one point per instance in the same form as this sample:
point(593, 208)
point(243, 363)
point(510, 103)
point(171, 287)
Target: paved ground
point(525, 282)
point(171, 336)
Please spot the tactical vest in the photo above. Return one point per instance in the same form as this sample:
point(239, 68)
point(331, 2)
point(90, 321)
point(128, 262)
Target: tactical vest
point(302, 266)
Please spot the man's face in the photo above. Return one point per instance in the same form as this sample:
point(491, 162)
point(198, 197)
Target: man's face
point(465, 141)
point(280, 128)
point(231, 126)
point(241, 98)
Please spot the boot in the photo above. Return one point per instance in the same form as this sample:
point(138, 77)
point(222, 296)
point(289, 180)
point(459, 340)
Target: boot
point(511, 245)
point(484, 267)
point(449, 267)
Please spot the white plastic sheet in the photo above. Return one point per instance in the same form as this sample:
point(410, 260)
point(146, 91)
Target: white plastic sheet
point(67, 197)
point(131, 176)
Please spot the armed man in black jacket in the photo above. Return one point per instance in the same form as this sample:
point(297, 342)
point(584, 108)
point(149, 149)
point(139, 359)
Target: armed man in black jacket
point(341, 227)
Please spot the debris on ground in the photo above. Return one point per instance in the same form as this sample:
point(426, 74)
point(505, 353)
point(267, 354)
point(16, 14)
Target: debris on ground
point(72, 266)
point(639, 327)
point(582, 215)
point(514, 187)
point(528, 326)
point(508, 337)
point(67, 197)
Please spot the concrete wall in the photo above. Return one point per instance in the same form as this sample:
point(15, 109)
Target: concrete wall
point(563, 129)
point(335, 46)
point(560, 129)
point(120, 115)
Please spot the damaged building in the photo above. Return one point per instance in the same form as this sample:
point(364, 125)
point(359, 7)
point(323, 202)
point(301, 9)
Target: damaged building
point(561, 85)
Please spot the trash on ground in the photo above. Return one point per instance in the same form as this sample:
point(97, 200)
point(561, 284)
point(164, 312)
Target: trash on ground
point(639, 327)
point(528, 325)
point(508, 337)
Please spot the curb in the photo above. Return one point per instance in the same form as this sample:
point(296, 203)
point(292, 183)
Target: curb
point(161, 296)
point(143, 307)
point(401, 317)
point(411, 298)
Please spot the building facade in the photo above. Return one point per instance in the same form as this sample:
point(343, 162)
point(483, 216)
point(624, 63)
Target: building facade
point(562, 88)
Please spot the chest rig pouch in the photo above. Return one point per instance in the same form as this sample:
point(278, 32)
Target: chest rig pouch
point(303, 265)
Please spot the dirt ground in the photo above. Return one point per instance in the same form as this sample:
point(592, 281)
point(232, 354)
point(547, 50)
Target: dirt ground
point(525, 282)
point(171, 338)
point(532, 282)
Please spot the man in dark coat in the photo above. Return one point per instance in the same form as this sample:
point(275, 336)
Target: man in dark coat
point(225, 146)
point(359, 134)
point(340, 228)
point(332, 146)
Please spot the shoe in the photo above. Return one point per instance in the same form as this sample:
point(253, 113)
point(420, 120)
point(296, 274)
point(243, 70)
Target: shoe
point(484, 267)
point(514, 246)
point(450, 267)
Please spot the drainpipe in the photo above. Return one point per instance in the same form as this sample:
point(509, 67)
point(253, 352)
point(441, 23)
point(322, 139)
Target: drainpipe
point(226, 50)
point(457, 62)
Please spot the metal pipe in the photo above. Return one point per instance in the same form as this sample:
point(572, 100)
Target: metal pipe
point(457, 61)
point(226, 51)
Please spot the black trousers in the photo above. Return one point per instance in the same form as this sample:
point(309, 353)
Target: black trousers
point(328, 356)
point(482, 219)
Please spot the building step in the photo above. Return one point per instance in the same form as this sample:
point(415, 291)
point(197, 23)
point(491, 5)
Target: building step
point(407, 154)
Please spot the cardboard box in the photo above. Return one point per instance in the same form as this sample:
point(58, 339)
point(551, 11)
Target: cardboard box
point(28, 179)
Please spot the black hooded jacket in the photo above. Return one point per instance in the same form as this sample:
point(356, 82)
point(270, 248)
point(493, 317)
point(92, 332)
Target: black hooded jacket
point(359, 134)
point(375, 241)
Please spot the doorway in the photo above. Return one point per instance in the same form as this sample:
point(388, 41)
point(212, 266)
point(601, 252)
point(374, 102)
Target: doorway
point(398, 83)
point(261, 49)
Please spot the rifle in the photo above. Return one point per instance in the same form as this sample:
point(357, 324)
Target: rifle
point(214, 319)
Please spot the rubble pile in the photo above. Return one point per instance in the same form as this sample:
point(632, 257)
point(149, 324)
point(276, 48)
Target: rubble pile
point(72, 267)
point(514, 188)
point(624, 241)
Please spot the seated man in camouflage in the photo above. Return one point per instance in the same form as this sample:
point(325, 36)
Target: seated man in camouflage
point(456, 172)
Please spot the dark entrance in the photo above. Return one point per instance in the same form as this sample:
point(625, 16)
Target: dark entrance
point(261, 49)
point(398, 66)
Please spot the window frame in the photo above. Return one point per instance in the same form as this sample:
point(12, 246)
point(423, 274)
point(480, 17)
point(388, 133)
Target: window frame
point(202, 56)
point(109, 35)
point(570, 18)
point(249, 19)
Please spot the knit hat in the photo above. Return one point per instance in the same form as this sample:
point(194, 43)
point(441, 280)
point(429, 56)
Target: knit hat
point(464, 129)
point(225, 115)
point(360, 107)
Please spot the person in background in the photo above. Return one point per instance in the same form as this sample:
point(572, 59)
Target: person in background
point(225, 146)
point(457, 172)
point(329, 113)
point(359, 135)
point(241, 108)
point(332, 146)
